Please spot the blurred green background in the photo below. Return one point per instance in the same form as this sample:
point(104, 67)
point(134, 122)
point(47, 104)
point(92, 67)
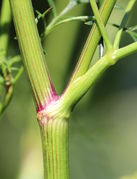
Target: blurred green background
point(103, 126)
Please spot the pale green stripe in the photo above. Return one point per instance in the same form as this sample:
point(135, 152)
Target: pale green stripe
point(56, 148)
point(92, 41)
point(34, 58)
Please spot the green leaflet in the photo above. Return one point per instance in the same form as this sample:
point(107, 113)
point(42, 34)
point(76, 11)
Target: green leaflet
point(52, 5)
point(133, 28)
point(41, 15)
point(10, 66)
point(133, 35)
point(129, 30)
point(61, 17)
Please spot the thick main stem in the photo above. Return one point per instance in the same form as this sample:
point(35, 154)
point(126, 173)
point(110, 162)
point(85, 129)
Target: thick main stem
point(32, 51)
point(55, 148)
point(54, 128)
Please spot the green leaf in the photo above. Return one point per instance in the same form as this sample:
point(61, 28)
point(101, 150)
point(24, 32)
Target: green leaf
point(133, 35)
point(20, 71)
point(133, 28)
point(116, 25)
point(41, 15)
point(14, 60)
point(129, 30)
point(119, 27)
point(52, 5)
point(90, 23)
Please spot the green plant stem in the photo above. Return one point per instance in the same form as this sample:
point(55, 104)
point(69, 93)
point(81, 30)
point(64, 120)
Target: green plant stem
point(5, 20)
point(53, 124)
point(55, 149)
point(18, 75)
point(125, 51)
point(31, 49)
point(123, 23)
point(7, 98)
point(57, 19)
point(70, 19)
point(81, 85)
point(101, 25)
point(92, 41)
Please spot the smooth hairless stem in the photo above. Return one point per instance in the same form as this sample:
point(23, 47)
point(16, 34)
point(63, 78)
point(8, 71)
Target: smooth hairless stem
point(52, 118)
point(53, 111)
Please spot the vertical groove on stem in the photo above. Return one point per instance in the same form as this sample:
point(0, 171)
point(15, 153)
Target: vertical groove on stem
point(32, 51)
point(55, 149)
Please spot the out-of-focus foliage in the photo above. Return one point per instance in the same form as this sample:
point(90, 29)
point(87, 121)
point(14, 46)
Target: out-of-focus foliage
point(9, 74)
point(134, 176)
point(9, 70)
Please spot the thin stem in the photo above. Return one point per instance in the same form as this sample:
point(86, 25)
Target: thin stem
point(18, 74)
point(125, 51)
point(56, 19)
point(81, 85)
point(92, 41)
point(5, 20)
point(123, 23)
point(32, 51)
point(7, 98)
point(70, 19)
point(100, 24)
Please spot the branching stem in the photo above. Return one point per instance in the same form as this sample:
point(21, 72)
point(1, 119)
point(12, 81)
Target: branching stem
point(54, 111)
point(92, 41)
point(123, 23)
point(101, 25)
point(57, 19)
point(81, 85)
